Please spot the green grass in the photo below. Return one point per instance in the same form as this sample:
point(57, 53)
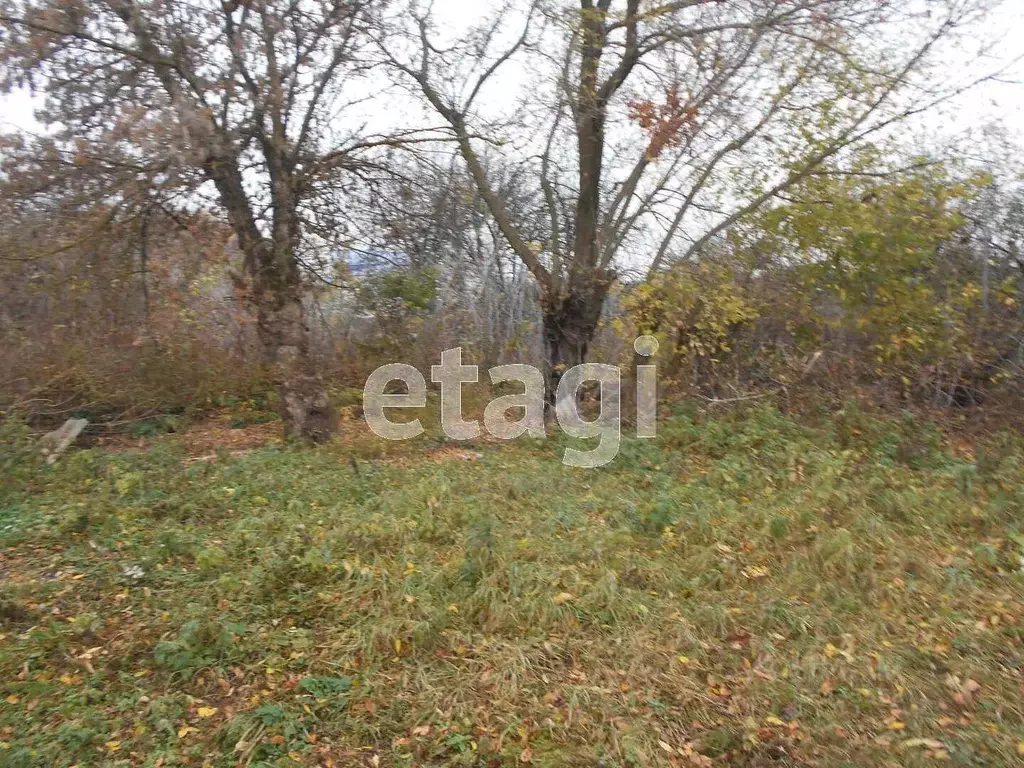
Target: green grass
point(741, 591)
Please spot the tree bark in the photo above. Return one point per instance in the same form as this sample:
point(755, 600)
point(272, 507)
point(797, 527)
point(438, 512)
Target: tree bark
point(569, 322)
point(303, 400)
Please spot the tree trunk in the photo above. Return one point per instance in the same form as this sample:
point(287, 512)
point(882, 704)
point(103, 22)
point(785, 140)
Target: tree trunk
point(570, 321)
point(303, 402)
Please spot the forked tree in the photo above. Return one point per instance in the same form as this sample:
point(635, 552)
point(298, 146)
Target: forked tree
point(651, 127)
point(240, 103)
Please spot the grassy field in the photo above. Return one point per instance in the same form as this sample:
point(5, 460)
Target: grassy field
point(744, 590)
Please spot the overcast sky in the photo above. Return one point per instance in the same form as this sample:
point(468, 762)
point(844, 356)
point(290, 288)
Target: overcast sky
point(1001, 101)
point(991, 104)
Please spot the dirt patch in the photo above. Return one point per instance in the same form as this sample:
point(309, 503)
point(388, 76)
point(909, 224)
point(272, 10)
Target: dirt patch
point(208, 437)
point(201, 439)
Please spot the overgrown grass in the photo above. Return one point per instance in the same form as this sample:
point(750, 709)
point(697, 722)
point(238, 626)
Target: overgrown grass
point(742, 591)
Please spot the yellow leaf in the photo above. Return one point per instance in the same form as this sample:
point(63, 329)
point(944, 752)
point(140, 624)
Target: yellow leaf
point(896, 725)
point(12, 699)
point(185, 730)
point(113, 746)
point(206, 711)
point(830, 651)
point(564, 597)
point(684, 659)
point(773, 720)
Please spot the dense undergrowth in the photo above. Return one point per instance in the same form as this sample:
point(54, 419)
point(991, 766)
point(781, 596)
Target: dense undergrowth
point(746, 590)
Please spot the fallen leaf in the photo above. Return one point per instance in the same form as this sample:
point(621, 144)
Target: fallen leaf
point(206, 711)
point(755, 572)
point(927, 743)
point(564, 597)
point(526, 756)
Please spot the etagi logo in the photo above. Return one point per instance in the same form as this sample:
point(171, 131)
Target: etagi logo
point(451, 374)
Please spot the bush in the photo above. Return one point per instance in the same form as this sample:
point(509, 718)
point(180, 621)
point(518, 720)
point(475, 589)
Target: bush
point(19, 454)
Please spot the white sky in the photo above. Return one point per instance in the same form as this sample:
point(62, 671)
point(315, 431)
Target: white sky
point(998, 104)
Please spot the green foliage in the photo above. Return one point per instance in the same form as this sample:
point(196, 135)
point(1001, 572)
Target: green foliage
point(19, 454)
point(199, 643)
point(398, 300)
point(397, 292)
point(868, 258)
point(325, 687)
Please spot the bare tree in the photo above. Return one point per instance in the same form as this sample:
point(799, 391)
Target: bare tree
point(721, 106)
point(240, 103)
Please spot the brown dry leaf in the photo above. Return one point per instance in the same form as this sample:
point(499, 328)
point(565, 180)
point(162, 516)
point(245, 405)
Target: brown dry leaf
point(738, 639)
point(967, 693)
point(526, 756)
point(421, 730)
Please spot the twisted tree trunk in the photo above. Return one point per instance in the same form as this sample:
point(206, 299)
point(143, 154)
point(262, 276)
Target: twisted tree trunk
point(303, 400)
point(570, 321)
